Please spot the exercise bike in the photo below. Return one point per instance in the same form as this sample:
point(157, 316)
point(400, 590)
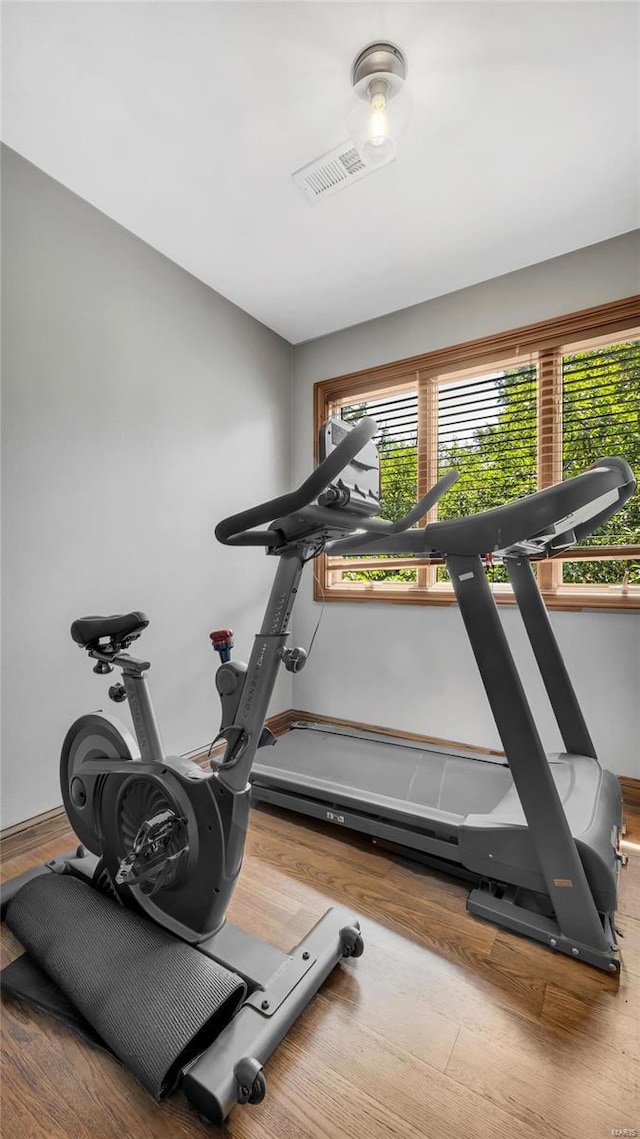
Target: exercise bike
point(126, 937)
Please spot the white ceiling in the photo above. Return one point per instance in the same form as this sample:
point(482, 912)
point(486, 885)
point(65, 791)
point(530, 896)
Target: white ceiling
point(184, 122)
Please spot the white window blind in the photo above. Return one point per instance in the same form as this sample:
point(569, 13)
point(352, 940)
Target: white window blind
point(487, 431)
point(601, 416)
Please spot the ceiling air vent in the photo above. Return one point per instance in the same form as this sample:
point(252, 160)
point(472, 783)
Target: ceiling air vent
point(332, 172)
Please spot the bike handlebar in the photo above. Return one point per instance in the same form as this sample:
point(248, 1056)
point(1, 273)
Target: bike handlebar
point(233, 530)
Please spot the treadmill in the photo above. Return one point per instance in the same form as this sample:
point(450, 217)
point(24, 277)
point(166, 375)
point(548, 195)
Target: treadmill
point(538, 834)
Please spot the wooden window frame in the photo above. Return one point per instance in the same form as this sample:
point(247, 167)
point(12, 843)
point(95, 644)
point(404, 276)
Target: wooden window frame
point(544, 341)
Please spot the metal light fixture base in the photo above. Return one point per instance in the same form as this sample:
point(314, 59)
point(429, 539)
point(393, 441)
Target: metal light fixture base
point(380, 58)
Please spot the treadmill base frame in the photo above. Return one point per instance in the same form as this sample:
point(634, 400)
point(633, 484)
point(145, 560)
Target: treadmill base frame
point(505, 912)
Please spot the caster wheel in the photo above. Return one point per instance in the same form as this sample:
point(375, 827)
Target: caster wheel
point(352, 942)
point(258, 1089)
point(358, 948)
point(250, 1083)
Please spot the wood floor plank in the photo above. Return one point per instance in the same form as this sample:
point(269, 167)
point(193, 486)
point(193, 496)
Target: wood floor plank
point(78, 1090)
point(423, 1098)
point(445, 1025)
point(630, 945)
point(555, 1098)
point(435, 987)
point(629, 889)
point(586, 1041)
point(418, 912)
point(605, 1041)
point(361, 997)
point(518, 957)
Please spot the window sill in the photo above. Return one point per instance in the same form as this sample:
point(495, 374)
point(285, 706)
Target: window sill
point(568, 597)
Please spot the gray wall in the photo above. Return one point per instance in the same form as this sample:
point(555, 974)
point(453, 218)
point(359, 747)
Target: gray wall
point(139, 407)
point(411, 667)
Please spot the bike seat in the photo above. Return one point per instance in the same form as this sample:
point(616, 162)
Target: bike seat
point(88, 631)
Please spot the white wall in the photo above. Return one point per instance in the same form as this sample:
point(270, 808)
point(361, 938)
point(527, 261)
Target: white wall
point(139, 407)
point(412, 667)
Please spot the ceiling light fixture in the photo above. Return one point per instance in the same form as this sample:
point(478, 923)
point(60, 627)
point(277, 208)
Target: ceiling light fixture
point(380, 103)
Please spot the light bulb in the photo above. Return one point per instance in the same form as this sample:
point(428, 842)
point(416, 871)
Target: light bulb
point(378, 124)
point(377, 146)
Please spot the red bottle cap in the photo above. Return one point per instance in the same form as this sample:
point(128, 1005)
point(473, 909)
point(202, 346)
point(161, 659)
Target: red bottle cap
point(221, 636)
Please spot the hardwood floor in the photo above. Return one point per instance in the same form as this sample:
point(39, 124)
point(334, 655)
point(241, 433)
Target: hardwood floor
point(446, 1026)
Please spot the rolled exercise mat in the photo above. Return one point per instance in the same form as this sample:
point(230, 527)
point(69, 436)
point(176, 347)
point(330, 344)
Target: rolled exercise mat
point(154, 1000)
point(26, 981)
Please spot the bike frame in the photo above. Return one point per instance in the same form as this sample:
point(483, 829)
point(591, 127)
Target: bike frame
point(256, 692)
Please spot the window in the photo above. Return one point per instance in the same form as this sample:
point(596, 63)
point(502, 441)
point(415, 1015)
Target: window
point(601, 416)
point(511, 413)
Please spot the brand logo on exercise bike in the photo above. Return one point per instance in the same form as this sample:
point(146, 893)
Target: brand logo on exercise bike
point(253, 679)
point(333, 817)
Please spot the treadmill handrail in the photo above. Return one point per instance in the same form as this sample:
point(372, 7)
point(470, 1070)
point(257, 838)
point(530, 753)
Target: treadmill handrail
point(540, 523)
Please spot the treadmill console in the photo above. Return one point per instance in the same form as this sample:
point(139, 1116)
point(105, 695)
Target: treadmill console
point(358, 487)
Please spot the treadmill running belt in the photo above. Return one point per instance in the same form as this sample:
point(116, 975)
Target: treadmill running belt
point(376, 770)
